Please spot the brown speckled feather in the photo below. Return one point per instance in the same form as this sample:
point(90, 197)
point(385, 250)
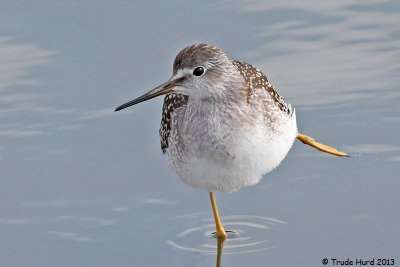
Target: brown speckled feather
point(254, 78)
point(171, 103)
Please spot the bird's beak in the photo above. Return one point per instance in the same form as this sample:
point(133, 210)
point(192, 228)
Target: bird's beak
point(165, 88)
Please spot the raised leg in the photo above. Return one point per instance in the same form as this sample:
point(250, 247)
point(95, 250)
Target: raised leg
point(220, 229)
point(324, 148)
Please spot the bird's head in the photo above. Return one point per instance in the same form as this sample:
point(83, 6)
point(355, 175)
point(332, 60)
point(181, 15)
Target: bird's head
point(202, 72)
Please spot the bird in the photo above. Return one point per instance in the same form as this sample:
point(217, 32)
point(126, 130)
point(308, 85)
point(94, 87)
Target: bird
point(223, 125)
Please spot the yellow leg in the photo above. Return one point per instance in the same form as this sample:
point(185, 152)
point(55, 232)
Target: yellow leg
point(311, 142)
point(220, 229)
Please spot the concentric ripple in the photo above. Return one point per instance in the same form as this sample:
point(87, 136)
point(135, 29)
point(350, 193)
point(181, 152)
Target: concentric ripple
point(246, 234)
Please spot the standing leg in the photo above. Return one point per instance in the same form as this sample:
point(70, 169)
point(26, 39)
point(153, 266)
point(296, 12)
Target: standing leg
point(220, 229)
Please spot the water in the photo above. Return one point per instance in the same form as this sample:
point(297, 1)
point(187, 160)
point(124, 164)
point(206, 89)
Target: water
point(81, 185)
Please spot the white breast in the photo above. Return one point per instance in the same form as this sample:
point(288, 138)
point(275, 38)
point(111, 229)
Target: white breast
point(216, 152)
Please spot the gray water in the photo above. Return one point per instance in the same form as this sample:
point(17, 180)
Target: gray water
point(81, 185)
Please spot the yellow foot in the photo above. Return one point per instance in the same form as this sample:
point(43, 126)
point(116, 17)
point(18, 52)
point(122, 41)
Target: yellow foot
point(311, 142)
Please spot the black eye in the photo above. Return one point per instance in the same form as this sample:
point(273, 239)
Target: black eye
point(198, 71)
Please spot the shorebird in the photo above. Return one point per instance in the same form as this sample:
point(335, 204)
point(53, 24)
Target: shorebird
point(223, 124)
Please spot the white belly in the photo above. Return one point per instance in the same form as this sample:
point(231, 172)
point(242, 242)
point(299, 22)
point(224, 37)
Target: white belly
point(240, 160)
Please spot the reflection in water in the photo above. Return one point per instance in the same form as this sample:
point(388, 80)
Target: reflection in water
point(330, 56)
point(13, 221)
point(16, 59)
point(18, 99)
point(372, 148)
point(71, 236)
point(21, 96)
point(220, 246)
point(245, 234)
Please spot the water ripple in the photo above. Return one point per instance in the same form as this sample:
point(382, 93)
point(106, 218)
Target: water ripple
point(246, 234)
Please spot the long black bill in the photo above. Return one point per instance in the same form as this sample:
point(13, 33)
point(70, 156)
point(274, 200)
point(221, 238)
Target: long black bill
point(165, 88)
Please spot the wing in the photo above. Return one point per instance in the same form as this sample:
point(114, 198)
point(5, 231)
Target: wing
point(254, 78)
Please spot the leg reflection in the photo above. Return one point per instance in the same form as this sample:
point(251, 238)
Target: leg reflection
point(220, 246)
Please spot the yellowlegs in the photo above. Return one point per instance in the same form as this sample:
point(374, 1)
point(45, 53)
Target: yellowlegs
point(223, 124)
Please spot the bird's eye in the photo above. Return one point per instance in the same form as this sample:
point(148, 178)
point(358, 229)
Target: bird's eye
point(198, 71)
